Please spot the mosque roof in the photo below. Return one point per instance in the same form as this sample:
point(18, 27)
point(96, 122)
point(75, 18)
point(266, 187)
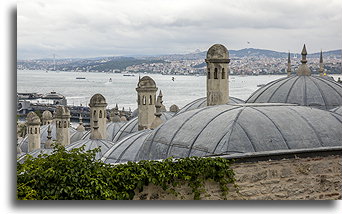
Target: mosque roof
point(202, 102)
point(127, 148)
point(314, 91)
point(34, 154)
point(132, 126)
point(242, 128)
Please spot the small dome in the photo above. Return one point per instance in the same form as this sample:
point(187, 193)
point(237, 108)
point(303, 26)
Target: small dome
point(131, 126)
point(146, 82)
point(217, 51)
point(202, 102)
point(242, 128)
point(47, 115)
point(90, 144)
point(62, 111)
point(127, 148)
point(314, 91)
point(174, 108)
point(32, 119)
point(97, 100)
point(123, 119)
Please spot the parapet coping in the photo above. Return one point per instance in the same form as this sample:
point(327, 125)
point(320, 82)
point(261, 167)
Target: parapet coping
point(282, 154)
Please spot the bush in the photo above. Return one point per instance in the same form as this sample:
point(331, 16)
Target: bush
point(77, 175)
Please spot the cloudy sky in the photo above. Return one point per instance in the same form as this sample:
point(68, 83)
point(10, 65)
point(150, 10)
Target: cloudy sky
point(89, 28)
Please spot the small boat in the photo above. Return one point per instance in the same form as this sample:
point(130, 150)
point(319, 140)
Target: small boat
point(128, 75)
point(80, 78)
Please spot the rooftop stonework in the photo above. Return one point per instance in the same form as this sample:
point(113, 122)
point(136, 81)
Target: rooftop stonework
point(47, 115)
point(218, 52)
point(146, 82)
point(303, 69)
point(32, 119)
point(97, 100)
point(62, 112)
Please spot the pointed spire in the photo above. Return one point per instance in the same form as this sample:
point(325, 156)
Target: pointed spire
point(157, 120)
point(289, 64)
point(160, 100)
point(116, 107)
point(80, 127)
point(303, 69)
point(304, 53)
point(321, 66)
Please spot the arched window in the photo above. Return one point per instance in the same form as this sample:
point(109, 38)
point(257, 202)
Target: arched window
point(59, 124)
point(31, 131)
point(35, 131)
point(208, 73)
point(139, 100)
point(150, 100)
point(100, 114)
point(144, 100)
point(215, 73)
point(65, 124)
point(223, 74)
point(94, 112)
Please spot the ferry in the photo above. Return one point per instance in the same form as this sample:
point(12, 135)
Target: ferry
point(80, 78)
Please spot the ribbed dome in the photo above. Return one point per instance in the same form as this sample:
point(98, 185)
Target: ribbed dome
point(314, 91)
point(146, 82)
point(43, 136)
point(90, 144)
point(35, 154)
point(132, 126)
point(228, 129)
point(127, 148)
point(217, 51)
point(202, 102)
point(337, 110)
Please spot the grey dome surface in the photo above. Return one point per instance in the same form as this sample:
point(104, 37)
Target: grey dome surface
point(314, 91)
point(127, 148)
point(34, 154)
point(337, 110)
point(202, 102)
point(43, 136)
point(90, 144)
point(132, 126)
point(112, 129)
point(228, 129)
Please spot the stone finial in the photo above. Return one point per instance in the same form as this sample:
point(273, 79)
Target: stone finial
point(160, 100)
point(80, 126)
point(303, 69)
point(174, 108)
point(157, 120)
point(289, 64)
point(47, 117)
point(49, 142)
point(321, 66)
point(95, 134)
point(97, 100)
point(114, 114)
point(32, 119)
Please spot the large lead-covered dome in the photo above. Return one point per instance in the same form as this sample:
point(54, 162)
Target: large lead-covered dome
point(202, 102)
point(314, 91)
point(228, 129)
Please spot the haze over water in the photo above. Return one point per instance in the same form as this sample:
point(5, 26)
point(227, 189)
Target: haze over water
point(121, 90)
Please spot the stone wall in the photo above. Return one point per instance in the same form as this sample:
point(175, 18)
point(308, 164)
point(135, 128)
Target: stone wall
point(311, 178)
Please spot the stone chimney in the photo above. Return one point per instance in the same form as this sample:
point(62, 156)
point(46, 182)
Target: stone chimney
point(33, 131)
point(62, 125)
point(98, 110)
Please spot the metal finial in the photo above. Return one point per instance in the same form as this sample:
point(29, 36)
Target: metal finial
point(304, 53)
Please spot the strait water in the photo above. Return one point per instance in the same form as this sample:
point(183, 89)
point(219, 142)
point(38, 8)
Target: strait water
point(121, 90)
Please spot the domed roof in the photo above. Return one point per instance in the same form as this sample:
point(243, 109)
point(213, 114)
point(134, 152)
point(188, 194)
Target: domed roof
point(228, 129)
point(202, 102)
point(112, 129)
point(47, 115)
point(97, 100)
point(337, 110)
point(217, 51)
point(90, 144)
point(131, 126)
point(34, 154)
point(127, 148)
point(174, 108)
point(43, 136)
point(314, 91)
point(32, 119)
point(146, 82)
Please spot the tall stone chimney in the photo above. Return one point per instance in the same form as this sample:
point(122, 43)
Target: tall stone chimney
point(62, 125)
point(33, 131)
point(98, 110)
